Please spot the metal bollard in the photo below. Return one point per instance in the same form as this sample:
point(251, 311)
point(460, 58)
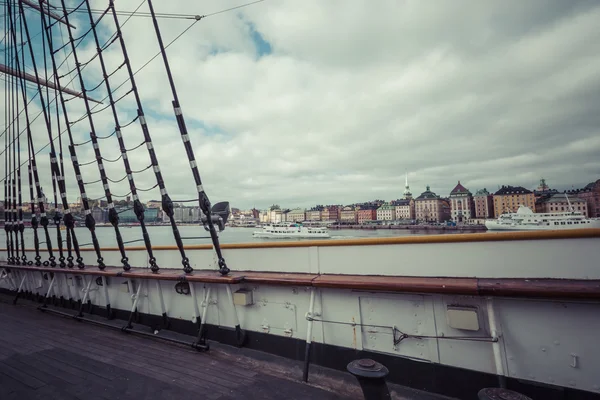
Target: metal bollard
point(371, 377)
point(500, 394)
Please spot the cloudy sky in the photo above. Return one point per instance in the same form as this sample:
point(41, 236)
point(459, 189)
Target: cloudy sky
point(319, 102)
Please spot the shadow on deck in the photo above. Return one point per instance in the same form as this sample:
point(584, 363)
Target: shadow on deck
point(49, 357)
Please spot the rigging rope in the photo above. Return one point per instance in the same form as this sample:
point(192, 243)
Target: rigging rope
point(68, 218)
point(107, 44)
point(167, 204)
point(32, 166)
point(112, 214)
point(57, 216)
point(112, 38)
point(203, 199)
point(84, 116)
point(15, 228)
point(21, 228)
point(53, 165)
point(7, 217)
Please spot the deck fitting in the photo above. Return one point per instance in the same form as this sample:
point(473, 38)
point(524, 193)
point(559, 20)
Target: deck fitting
point(500, 394)
point(371, 377)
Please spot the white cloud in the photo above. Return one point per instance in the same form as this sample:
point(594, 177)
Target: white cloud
point(353, 95)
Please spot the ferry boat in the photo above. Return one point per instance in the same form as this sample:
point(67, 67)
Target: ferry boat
point(243, 223)
point(526, 220)
point(291, 230)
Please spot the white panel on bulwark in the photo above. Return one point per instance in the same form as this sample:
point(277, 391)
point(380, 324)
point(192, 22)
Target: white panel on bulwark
point(411, 314)
point(271, 317)
point(453, 352)
point(552, 342)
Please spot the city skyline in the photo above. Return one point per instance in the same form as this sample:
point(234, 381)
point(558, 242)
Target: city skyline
point(417, 191)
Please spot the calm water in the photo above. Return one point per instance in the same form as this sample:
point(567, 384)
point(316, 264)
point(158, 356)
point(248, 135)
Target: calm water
point(163, 235)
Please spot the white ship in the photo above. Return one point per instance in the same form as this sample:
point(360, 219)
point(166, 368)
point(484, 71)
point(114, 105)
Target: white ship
point(526, 219)
point(291, 230)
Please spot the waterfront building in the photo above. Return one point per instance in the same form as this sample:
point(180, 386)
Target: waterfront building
point(296, 215)
point(367, 213)
point(446, 213)
point(127, 215)
point(591, 194)
point(405, 208)
point(386, 212)
point(484, 204)
point(331, 213)
point(313, 215)
point(509, 198)
point(348, 215)
point(264, 216)
point(429, 207)
point(541, 194)
point(462, 205)
point(560, 203)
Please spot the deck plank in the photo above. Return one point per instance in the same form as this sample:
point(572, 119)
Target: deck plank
point(48, 357)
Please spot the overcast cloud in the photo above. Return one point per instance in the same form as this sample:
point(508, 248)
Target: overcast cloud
point(320, 102)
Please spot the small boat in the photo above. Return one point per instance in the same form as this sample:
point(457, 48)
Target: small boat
point(525, 220)
point(291, 230)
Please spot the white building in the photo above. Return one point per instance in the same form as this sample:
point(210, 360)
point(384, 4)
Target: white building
point(386, 212)
point(462, 205)
point(296, 215)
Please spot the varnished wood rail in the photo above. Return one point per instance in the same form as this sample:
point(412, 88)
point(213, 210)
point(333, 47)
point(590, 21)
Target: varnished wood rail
point(506, 287)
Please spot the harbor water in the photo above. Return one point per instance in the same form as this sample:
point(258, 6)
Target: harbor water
point(193, 234)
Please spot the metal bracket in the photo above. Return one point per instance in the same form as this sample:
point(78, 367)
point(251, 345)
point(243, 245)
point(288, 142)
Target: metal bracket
point(574, 361)
point(265, 327)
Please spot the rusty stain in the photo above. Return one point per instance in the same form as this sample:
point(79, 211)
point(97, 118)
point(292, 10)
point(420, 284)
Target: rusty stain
point(353, 333)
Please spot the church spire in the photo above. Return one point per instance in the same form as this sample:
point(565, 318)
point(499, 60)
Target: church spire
point(407, 193)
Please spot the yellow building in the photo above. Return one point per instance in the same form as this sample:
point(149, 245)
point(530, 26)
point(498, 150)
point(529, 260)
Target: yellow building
point(509, 198)
point(348, 215)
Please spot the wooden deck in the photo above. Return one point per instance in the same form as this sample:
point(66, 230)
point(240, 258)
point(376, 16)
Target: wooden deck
point(48, 357)
point(43, 356)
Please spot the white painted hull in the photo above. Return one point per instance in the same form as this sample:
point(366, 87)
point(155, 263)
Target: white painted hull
point(538, 339)
point(495, 226)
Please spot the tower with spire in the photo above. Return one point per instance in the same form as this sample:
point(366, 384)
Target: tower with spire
point(407, 193)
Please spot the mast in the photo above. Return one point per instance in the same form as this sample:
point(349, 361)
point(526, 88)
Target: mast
point(569, 203)
point(40, 8)
point(30, 78)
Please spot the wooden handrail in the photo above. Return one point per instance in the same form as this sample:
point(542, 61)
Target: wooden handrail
point(505, 287)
